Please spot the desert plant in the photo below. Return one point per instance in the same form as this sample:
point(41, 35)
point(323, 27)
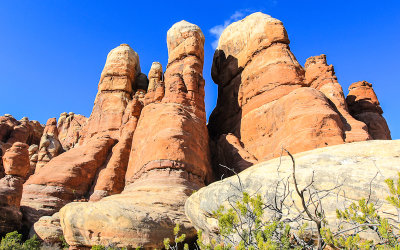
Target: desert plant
point(13, 241)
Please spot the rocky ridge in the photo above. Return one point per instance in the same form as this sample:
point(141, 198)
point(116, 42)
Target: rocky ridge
point(121, 177)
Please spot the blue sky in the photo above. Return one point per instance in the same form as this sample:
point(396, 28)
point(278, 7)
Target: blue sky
point(52, 52)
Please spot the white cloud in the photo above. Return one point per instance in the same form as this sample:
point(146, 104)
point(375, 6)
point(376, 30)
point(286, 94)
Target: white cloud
point(218, 29)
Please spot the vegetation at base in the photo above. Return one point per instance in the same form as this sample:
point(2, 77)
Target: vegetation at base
point(13, 241)
point(241, 226)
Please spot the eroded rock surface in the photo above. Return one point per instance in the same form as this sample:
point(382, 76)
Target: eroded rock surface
point(49, 146)
point(169, 158)
point(264, 97)
point(63, 179)
point(321, 76)
point(364, 106)
point(117, 83)
point(16, 166)
point(354, 167)
point(69, 127)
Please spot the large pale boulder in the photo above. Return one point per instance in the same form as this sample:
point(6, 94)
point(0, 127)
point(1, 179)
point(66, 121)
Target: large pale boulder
point(364, 106)
point(354, 168)
point(48, 229)
point(169, 159)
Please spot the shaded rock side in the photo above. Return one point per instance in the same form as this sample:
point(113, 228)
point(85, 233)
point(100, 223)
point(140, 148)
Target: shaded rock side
point(16, 166)
point(63, 179)
point(263, 97)
point(48, 229)
point(115, 89)
point(49, 146)
point(24, 130)
point(169, 159)
point(111, 176)
point(321, 76)
point(69, 128)
point(355, 166)
point(364, 106)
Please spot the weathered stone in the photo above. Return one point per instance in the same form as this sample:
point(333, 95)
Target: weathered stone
point(354, 166)
point(16, 165)
point(16, 160)
point(111, 177)
point(116, 86)
point(12, 130)
point(63, 179)
point(263, 98)
point(156, 89)
point(49, 146)
point(321, 76)
point(48, 229)
point(69, 127)
point(10, 198)
point(364, 106)
point(169, 159)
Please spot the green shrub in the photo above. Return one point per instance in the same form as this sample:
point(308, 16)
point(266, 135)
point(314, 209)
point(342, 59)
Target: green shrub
point(13, 241)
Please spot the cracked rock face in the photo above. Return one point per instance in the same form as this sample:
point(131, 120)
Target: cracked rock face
point(117, 83)
point(364, 106)
point(169, 158)
point(321, 76)
point(264, 98)
point(16, 166)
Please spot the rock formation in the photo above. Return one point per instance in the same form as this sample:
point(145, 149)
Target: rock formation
point(69, 127)
point(355, 166)
point(25, 131)
point(49, 146)
point(321, 76)
point(145, 147)
point(169, 158)
point(264, 98)
point(116, 86)
point(47, 229)
point(16, 166)
point(63, 179)
point(365, 107)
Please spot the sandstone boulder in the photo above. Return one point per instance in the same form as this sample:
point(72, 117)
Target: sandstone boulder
point(16, 160)
point(364, 106)
point(169, 159)
point(16, 164)
point(48, 229)
point(354, 167)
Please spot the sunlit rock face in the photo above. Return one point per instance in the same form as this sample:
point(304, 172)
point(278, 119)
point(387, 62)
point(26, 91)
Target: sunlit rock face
point(267, 100)
point(169, 157)
point(364, 106)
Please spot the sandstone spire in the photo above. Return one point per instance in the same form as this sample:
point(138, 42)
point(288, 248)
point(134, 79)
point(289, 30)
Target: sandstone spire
point(169, 158)
point(364, 106)
point(263, 97)
point(321, 76)
point(117, 83)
